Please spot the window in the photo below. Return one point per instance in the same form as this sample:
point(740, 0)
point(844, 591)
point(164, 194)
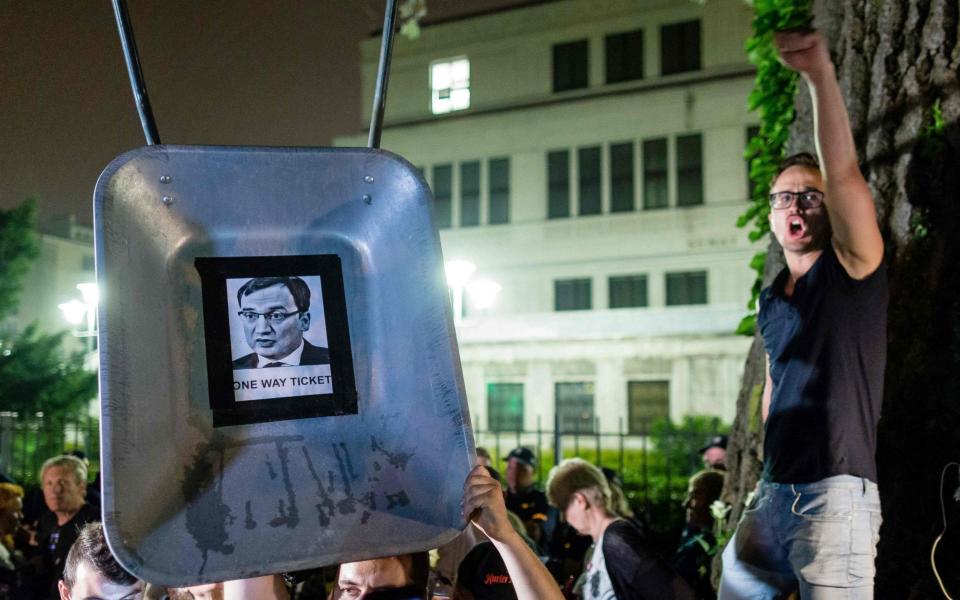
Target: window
point(442, 188)
point(624, 56)
point(570, 66)
point(627, 291)
point(646, 401)
point(686, 288)
point(621, 177)
point(505, 406)
point(469, 194)
point(689, 170)
point(680, 47)
point(571, 294)
point(449, 85)
point(588, 161)
point(498, 172)
point(752, 132)
point(575, 407)
point(88, 263)
point(558, 181)
point(655, 173)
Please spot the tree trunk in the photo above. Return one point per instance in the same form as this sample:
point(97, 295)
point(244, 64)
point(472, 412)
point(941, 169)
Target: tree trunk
point(897, 60)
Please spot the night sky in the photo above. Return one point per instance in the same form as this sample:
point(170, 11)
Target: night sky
point(265, 72)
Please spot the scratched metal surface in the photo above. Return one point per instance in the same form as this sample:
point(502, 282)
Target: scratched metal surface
point(186, 503)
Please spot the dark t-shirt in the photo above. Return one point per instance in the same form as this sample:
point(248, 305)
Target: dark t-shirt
point(55, 542)
point(636, 572)
point(827, 348)
point(693, 559)
point(483, 574)
point(532, 508)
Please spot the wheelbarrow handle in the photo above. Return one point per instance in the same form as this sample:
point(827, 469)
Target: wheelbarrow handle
point(142, 100)
point(135, 71)
point(383, 75)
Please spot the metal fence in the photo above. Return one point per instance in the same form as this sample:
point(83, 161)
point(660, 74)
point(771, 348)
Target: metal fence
point(26, 442)
point(654, 463)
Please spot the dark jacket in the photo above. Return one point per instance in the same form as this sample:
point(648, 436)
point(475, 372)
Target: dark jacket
point(312, 355)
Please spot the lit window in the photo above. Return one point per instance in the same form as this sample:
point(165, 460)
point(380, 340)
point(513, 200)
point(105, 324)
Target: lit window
point(450, 85)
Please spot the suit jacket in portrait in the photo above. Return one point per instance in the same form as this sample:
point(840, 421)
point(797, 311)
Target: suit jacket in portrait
point(311, 355)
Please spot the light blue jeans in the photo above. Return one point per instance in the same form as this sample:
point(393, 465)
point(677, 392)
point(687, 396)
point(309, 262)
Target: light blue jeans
point(820, 538)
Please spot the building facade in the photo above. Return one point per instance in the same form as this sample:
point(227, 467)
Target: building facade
point(587, 157)
point(64, 261)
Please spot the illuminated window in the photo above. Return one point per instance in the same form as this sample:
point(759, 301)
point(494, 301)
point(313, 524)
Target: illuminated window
point(450, 85)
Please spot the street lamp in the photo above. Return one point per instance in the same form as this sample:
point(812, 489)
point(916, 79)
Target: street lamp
point(483, 293)
point(458, 274)
point(75, 311)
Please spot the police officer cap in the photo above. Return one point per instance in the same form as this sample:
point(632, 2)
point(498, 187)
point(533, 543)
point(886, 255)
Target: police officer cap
point(524, 455)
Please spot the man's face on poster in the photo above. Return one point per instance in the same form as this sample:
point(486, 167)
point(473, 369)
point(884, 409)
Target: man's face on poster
point(278, 327)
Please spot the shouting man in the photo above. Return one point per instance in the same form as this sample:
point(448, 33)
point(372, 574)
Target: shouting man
point(813, 524)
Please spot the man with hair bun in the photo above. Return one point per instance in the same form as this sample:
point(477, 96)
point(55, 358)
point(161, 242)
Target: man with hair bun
point(622, 566)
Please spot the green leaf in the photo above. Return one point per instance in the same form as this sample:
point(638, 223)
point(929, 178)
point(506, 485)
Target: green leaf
point(747, 326)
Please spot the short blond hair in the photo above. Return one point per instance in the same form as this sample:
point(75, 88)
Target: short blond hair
point(577, 475)
point(65, 460)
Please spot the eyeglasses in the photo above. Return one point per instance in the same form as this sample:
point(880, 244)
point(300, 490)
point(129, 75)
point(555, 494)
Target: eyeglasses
point(274, 317)
point(806, 199)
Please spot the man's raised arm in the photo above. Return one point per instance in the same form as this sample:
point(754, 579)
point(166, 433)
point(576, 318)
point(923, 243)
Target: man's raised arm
point(853, 218)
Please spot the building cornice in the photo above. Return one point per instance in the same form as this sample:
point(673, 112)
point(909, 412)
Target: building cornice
point(574, 96)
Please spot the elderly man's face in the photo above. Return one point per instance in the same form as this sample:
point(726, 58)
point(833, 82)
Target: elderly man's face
point(61, 490)
point(274, 340)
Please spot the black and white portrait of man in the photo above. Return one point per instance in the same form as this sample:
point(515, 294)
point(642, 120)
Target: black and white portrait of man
point(275, 317)
point(277, 338)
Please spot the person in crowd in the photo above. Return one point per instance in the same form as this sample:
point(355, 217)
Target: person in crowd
point(823, 323)
point(90, 570)
point(401, 577)
point(203, 591)
point(482, 575)
point(484, 506)
point(618, 500)
point(450, 555)
point(483, 457)
point(482, 572)
point(93, 488)
point(64, 482)
point(698, 544)
point(523, 498)
point(622, 566)
point(714, 453)
point(11, 561)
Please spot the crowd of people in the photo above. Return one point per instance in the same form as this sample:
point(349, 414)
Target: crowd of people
point(811, 527)
point(577, 538)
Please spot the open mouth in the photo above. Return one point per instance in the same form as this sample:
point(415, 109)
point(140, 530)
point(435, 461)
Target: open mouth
point(796, 227)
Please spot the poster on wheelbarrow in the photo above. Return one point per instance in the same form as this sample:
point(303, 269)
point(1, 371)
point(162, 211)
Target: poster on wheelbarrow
point(278, 345)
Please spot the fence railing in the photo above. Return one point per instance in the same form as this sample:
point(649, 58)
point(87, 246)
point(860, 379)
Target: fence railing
point(653, 461)
point(26, 442)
